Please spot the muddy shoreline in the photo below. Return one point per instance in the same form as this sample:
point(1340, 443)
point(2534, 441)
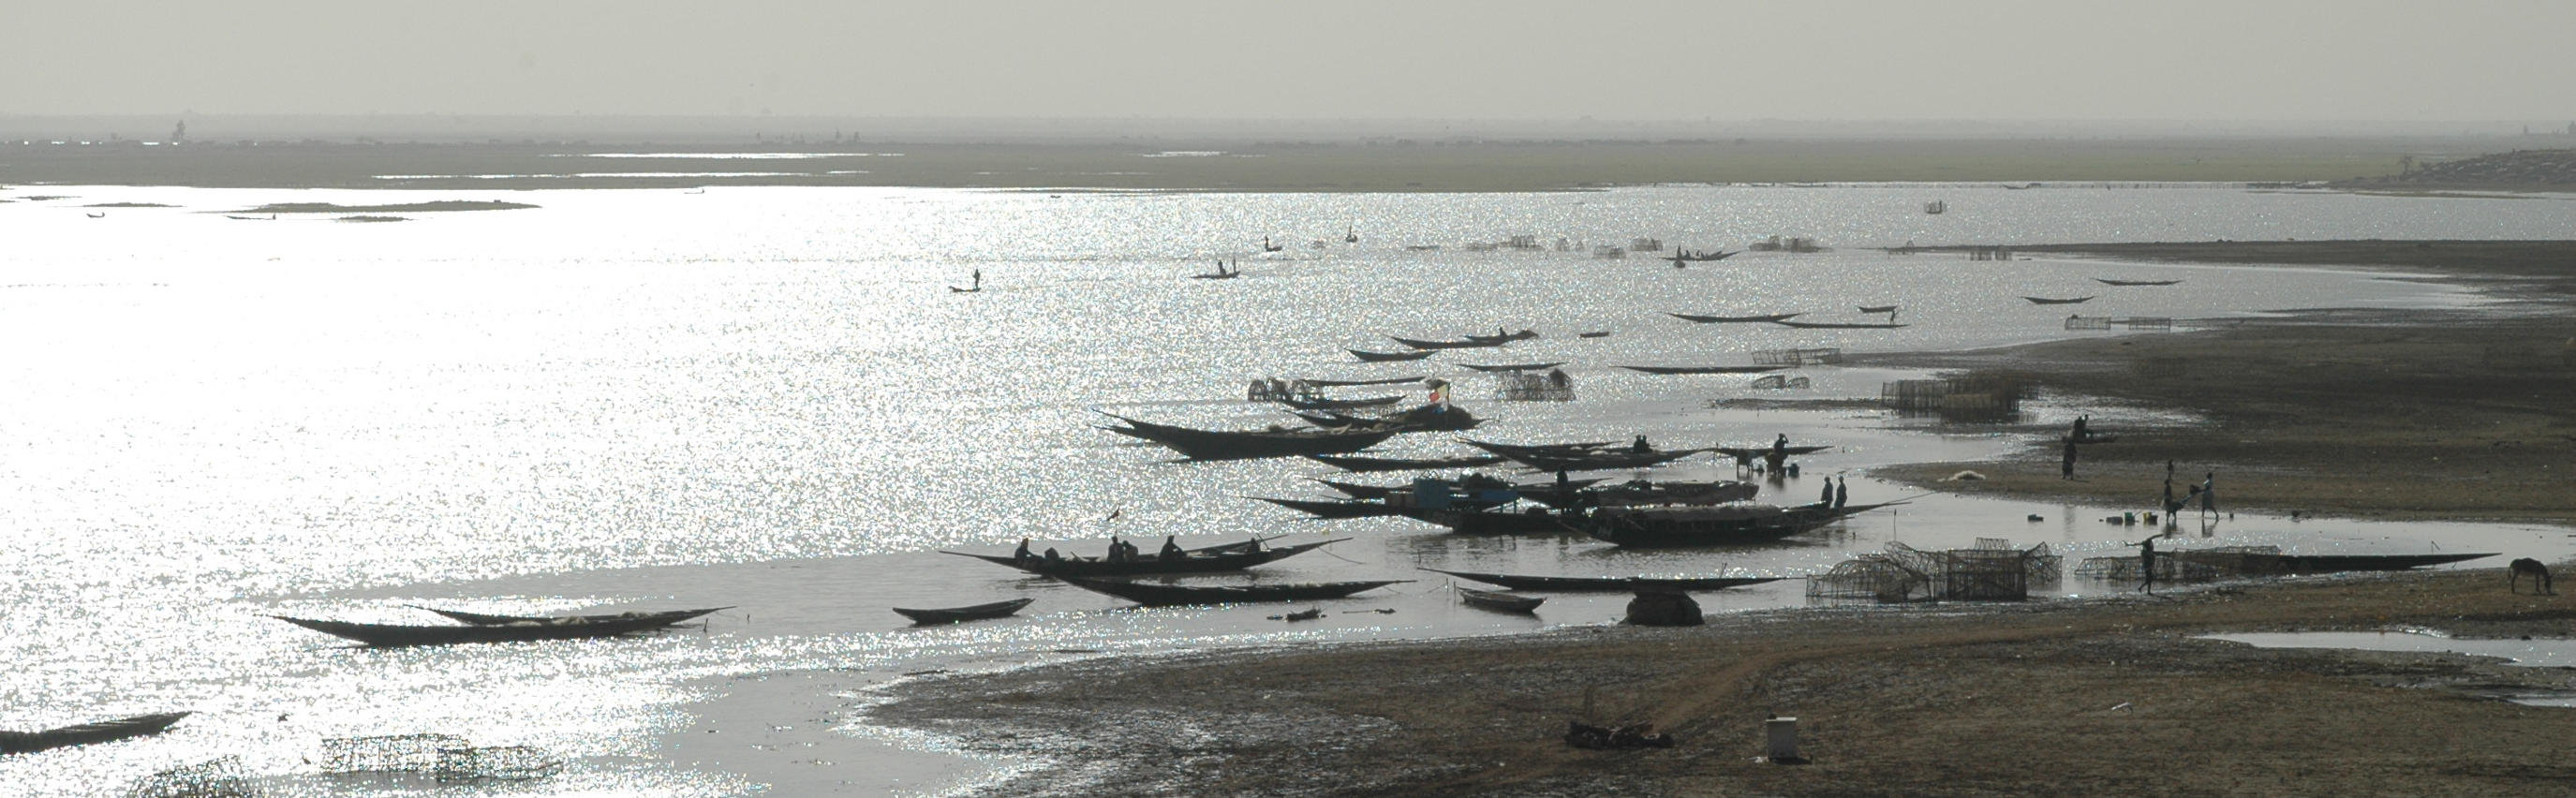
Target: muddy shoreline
point(2383, 414)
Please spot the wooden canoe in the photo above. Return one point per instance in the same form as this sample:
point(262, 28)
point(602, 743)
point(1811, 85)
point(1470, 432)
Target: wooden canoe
point(20, 742)
point(390, 635)
point(1499, 602)
point(1174, 595)
point(1610, 584)
point(975, 612)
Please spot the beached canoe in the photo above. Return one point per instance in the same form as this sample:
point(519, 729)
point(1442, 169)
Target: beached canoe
point(1360, 464)
point(21, 742)
point(1381, 357)
point(1703, 369)
point(1610, 584)
point(975, 612)
point(1700, 319)
point(1841, 325)
point(1199, 444)
point(2331, 563)
point(1156, 594)
point(390, 635)
point(1513, 366)
point(1229, 557)
point(484, 619)
point(1499, 602)
point(1720, 525)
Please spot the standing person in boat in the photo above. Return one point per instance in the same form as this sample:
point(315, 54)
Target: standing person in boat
point(1842, 492)
point(1779, 452)
point(1172, 549)
point(1827, 498)
point(979, 280)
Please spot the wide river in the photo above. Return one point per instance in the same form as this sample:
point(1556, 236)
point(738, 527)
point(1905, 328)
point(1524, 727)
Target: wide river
point(768, 399)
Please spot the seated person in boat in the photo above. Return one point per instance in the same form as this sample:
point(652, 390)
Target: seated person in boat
point(1023, 554)
point(1172, 550)
point(1640, 445)
point(1052, 556)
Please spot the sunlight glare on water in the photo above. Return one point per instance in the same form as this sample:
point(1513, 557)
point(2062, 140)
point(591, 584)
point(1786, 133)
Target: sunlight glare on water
point(767, 398)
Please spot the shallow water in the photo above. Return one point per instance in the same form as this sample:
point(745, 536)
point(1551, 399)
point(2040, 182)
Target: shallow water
point(764, 398)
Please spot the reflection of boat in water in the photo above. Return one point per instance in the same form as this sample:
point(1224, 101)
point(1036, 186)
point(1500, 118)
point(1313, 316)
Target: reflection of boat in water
point(2041, 300)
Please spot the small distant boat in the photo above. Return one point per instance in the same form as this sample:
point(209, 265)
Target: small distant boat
point(1699, 319)
point(977, 285)
point(1352, 237)
point(1499, 602)
point(1599, 334)
point(2108, 281)
point(2041, 300)
point(1513, 366)
point(1936, 207)
point(268, 218)
point(1703, 369)
point(1155, 594)
point(1382, 357)
point(976, 612)
point(1878, 308)
point(1322, 383)
point(1757, 452)
point(1220, 274)
point(1307, 614)
point(1266, 246)
point(98, 215)
point(1841, 325)
point(20, 742)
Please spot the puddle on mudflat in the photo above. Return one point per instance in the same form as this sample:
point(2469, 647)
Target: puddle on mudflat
point(2530, 652)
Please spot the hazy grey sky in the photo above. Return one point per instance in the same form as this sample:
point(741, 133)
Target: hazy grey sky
point(2400, 60)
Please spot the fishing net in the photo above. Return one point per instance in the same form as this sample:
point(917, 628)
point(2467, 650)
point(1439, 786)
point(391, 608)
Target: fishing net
point(505, 762)
point(400, 753)
point(448, 757)
point(214, 778)
point(1991, 571)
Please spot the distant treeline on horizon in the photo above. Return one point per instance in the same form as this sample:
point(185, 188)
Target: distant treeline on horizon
point(442, 128)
